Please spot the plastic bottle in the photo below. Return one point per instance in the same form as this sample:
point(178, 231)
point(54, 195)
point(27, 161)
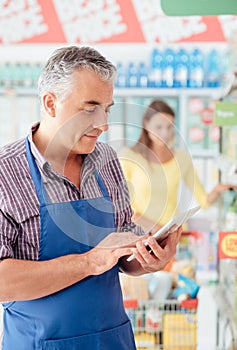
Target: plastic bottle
point(17, 77)
point(196, 69)
point(35, 73)
point(181, 69)
point(121, 76)
point(27, 75)
point(142, 75)
point(7, 75)
point(213, 69)
point(155, 69)
point(168, 69)
point(1, 73)
point(132, 75)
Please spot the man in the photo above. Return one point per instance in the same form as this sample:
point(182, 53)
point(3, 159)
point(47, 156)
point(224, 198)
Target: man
point(64, 213)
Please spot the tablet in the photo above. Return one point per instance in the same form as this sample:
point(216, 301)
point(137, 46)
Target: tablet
point(171, 226)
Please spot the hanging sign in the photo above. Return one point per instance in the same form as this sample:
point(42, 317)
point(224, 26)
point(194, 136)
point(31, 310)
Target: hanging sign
point(107, 21)
point(227, 247)
point(199, 7)
point(225, 113)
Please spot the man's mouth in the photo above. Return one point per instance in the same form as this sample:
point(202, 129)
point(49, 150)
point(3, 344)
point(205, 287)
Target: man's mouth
point(93, 137)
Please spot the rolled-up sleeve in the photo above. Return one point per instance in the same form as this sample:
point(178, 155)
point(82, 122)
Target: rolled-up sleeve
point(7, 237)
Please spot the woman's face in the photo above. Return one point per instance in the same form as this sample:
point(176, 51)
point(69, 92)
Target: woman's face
point(160, 128)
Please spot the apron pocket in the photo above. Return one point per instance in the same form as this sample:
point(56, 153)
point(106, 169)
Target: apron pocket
point(82, 342)
point(119, 338)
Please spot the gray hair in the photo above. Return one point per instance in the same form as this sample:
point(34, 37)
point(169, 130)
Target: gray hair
point(57, 74)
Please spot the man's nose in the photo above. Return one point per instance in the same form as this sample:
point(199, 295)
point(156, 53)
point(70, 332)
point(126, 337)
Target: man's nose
point(101, 120)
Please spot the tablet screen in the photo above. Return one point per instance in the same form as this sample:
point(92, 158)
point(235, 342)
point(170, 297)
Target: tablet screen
point(172, 225)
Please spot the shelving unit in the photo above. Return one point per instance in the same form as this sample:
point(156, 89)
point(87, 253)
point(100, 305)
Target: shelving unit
point(21, 109)
point(126, 116)
point(226, 292)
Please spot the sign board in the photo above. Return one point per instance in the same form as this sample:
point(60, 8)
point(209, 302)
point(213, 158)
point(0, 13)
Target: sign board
point(199, 7)
point(225, 113)
point(227, 247)
point(112, 21)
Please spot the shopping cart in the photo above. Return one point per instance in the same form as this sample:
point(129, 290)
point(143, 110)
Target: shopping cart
point(168, 325)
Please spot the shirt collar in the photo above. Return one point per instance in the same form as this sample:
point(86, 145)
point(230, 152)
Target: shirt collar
point(41, 161)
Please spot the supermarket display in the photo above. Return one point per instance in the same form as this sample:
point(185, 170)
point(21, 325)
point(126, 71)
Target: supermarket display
point(19, 74)
point(190, 80)
point(182, 52)
point(170, 68)
point(164, 68)
point(226, 117)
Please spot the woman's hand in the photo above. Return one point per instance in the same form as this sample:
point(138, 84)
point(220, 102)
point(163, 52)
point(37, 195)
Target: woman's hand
point(218, 189)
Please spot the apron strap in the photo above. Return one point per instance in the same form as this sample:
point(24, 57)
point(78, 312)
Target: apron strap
point(36, 176)
point(101, 184)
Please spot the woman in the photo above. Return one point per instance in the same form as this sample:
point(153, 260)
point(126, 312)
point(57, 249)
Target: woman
point(154, 168)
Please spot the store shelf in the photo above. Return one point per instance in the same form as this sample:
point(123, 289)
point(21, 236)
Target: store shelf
point(129, 92)
point(202, 92)
point(18, 91)
point(206, 154)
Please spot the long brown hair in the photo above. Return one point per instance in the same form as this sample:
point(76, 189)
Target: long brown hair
point(144, 142)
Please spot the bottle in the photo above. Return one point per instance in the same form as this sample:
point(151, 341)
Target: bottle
point(181, 69)
point(196, 69)
point(213, 69)
point(231, 215)
point(35, 73)
point(7, 75)
point(132, 75)
point(142, 75)
point(16, 78)
point(1, 74)
point(121, 76)
point(168, 69)
point(27, 75)
point(155, 69)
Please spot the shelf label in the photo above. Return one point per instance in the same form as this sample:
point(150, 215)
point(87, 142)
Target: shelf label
point(225, 113)
point(227, 246)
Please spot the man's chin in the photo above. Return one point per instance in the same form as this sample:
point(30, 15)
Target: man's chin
point(86, 150)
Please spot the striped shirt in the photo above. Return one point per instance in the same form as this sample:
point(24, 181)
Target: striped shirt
point(19, 204)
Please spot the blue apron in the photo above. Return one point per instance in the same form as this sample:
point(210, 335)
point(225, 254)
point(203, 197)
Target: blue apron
point(88, 315)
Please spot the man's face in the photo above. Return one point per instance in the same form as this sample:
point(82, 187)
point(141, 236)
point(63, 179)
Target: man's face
point(83, 115)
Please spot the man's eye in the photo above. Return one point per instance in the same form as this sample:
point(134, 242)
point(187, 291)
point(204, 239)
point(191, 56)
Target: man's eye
point(89, 110)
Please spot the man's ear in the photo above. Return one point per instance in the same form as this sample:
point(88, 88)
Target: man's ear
point(49, 102)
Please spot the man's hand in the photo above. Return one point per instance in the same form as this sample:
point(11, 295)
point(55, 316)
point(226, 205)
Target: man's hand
point(108, 252)
point(150, 262)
